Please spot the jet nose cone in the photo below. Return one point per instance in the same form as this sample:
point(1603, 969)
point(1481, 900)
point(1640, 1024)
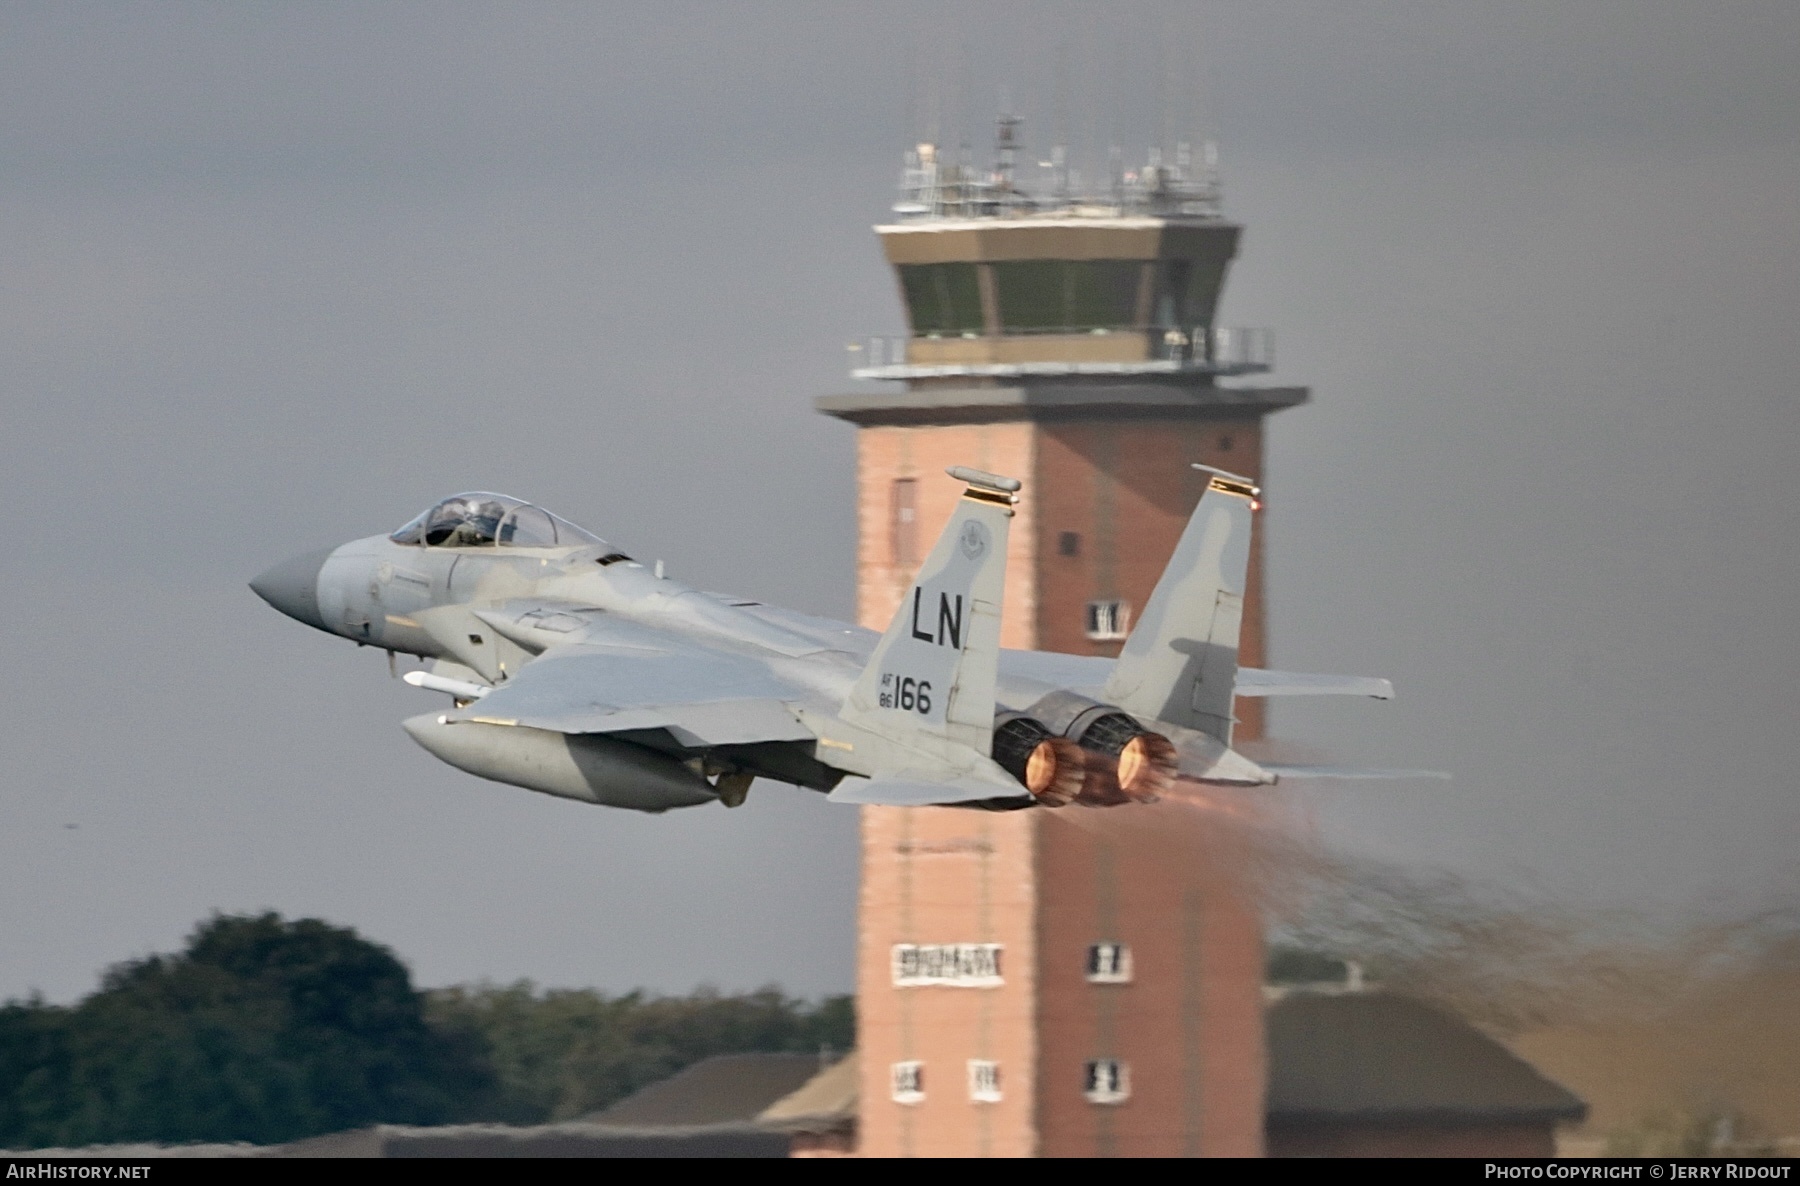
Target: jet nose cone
point(293, 587)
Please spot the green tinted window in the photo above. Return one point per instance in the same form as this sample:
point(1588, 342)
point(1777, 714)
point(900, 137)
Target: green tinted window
point(1031, 294)
point(1056, 294)
point(1203, 280)
point(942, 298)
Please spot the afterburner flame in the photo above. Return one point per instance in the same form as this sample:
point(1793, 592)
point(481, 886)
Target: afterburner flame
point(1055, 771)
point(1148, 765)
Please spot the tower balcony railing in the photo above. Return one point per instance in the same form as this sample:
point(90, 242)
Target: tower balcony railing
point(1199, 350)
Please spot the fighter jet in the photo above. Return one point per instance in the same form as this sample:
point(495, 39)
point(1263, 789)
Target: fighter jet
point(577, 671)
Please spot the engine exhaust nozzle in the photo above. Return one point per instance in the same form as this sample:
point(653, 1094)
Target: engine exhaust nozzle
point(1135, 765)
point(1052, 768)
point(1148, 764)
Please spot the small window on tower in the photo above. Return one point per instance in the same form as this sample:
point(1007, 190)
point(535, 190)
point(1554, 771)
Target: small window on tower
point(1107, 1081)
point(1069, 543)
point(1224, 444)
point(984, 1081)
point(1109, 963)
point(1108, 621)
point(908, 1082)
point(903, 520)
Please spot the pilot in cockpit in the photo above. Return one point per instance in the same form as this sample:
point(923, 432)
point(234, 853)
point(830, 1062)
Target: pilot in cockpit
point(465, 523)
point(480, 520)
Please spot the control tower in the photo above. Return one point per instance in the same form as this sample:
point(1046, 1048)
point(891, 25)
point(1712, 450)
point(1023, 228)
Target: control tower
point(1082, 981)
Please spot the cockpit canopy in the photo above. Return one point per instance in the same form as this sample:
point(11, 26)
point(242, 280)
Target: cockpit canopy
point(483, 520)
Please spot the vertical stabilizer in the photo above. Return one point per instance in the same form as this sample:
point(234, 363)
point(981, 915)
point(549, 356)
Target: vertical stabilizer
point(932, 676)
point(1180, 663)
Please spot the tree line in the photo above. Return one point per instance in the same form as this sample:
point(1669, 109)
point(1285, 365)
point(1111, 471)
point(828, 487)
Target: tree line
point(267, 1030)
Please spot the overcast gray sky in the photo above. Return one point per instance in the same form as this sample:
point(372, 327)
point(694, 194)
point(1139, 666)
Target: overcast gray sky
point(272, 277)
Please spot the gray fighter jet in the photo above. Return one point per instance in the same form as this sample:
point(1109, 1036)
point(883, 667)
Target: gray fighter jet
point(576, 671)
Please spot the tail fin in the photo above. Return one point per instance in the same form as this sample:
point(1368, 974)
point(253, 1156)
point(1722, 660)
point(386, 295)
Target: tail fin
point(932, 676)
point(1180, 663)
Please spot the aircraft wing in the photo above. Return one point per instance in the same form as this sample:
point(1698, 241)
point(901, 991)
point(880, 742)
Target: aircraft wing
point(909, 788)
point(1088, 671)
point(1255, 681)
point(615, 676)
point(1091, 671)
point(1287, 773)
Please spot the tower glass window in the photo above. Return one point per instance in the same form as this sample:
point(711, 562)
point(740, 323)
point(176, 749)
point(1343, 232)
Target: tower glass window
point(908, 1082)
point(1109, 963)
point(1196, 286)
point(1108, 621)
point(942, 298)
point(1058, 295)
point(1106, 1081)
point(984, 1081)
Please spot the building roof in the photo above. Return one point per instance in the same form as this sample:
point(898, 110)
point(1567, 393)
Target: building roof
point(570, 1139)
point(720, 1090)
point(825, 1102)
point(1381, 1057)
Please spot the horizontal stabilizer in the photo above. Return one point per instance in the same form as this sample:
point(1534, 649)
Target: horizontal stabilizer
point(1255, 681)
point(1204, 758)
point(1302, 773)
point(907, 789)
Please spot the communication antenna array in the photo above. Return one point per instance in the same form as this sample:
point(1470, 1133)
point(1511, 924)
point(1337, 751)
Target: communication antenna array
point(1172, 181)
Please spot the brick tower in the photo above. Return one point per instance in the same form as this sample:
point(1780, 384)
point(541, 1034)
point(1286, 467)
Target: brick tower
point(1075, 982)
